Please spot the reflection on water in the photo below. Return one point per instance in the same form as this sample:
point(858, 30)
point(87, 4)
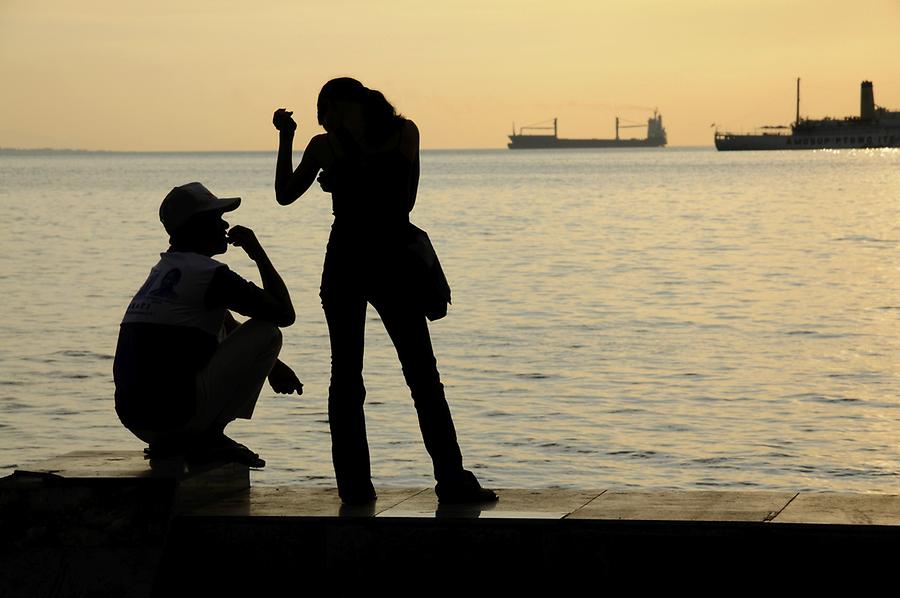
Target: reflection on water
point(660, 318)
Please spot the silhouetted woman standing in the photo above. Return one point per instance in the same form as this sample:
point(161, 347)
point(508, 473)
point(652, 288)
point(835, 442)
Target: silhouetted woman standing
point(369, 158)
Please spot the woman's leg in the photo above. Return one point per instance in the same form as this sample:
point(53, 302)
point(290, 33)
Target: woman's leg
point(346, 317)
point(406, 325)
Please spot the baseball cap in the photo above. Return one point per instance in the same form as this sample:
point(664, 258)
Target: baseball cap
point(186, 200)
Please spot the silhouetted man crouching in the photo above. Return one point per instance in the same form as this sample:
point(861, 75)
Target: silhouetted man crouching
point(184, 367)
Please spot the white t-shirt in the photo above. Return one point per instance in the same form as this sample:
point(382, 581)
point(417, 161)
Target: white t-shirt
point(174, 294)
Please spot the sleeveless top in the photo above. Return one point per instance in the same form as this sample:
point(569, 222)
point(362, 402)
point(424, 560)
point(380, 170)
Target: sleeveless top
point(371, 198)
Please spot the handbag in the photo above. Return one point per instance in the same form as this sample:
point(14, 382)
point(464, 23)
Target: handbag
point(429, 284)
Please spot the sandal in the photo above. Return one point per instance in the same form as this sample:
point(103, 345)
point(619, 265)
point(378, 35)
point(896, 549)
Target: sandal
point(223, 448)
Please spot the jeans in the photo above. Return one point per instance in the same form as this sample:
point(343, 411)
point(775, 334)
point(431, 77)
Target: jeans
point(352, 278)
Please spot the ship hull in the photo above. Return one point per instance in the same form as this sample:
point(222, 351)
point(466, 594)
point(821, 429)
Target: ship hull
point(866, 138)
point(550, 142)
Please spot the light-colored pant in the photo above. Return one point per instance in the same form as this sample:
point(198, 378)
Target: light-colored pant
point(229, 386)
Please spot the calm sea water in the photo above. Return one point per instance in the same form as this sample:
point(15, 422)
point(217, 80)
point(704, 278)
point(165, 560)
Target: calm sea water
point(673, 318)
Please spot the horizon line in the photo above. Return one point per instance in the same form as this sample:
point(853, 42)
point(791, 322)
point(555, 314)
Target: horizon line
point(240, 151)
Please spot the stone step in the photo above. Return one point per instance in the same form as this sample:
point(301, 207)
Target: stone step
point(113, 523)
point(97, 522)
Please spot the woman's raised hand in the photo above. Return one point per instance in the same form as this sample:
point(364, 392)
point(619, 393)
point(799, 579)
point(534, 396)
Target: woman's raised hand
point(283, 121)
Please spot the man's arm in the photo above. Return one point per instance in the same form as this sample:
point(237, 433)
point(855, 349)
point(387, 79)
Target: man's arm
point(230, 323)
point(275, 302)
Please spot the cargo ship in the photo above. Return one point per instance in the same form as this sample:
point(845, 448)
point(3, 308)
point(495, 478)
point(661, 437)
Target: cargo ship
point(656, 137)
point(874, 127)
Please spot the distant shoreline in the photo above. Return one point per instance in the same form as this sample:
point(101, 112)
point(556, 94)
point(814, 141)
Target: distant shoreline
point(9, 151)
point(49, 150)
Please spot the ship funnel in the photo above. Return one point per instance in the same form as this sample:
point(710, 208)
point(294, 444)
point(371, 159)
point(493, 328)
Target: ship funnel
point(866, 101)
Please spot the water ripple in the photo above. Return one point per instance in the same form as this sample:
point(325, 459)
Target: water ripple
point(731, 327)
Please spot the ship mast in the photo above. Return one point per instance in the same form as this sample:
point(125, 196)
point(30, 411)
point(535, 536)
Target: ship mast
point(797, 120)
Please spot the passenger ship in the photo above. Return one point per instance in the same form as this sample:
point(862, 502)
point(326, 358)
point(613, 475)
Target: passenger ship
point(874, 127)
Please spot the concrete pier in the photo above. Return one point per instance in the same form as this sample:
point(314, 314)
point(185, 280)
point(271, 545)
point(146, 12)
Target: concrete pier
point(109, 520)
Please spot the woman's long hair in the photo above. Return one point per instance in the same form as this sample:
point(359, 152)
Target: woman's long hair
point(380, 116)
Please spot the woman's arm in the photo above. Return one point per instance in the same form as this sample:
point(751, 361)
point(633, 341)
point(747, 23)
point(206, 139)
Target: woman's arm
point(291, 184)
point(409, 147)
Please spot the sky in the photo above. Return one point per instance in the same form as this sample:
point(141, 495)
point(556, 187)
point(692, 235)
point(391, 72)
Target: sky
point(197, 75)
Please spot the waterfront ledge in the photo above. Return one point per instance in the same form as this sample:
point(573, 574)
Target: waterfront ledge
point(108, 523)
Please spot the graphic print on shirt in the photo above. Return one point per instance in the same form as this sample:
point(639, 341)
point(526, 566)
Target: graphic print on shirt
point(166, 288)
point(174, 294)
point(147, 295)
point(145, 288)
